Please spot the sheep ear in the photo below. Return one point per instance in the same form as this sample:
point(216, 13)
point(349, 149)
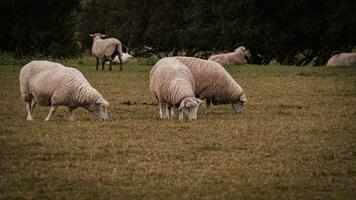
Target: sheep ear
point(199, 101)
point(243, 98)
point(103, 35)
point(182, 105)
point(91, 35)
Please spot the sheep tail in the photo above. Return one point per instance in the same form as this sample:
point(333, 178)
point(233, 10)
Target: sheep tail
point(118, 50)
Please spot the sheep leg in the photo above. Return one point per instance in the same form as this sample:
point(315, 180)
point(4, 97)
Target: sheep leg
point(97, 64)
point(208, 106)
point(169, 112)
point(181, 117)
point(120, 59)
point(110, 63)
point(172, 111)
point(162, 110)
point(33, 105)
point(28, 110)
point(103, 63)
point(71, 115)
point(51, 111)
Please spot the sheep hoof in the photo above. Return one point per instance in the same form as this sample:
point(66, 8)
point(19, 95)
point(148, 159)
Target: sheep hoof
point(29, 118)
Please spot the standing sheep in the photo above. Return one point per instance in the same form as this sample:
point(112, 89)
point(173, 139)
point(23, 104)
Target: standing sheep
point(172, 84)
point(52, 84)
point(342, 59)
point(234, 58)
point(106, 49)
point(214, 83)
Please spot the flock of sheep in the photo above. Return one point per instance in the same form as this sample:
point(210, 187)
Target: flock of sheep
point(184, 82)
point(181, 82)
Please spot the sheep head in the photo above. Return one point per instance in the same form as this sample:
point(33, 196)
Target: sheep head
point(240, 49)
point(237, 106)
point(99, 108)
point(245, 52)
point(190, 107)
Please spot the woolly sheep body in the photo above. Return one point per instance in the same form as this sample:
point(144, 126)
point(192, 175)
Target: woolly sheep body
point(52, 84)
point(106, 49)
point(342, 59)
point(234, 58)
point(214, 83)
point(172, 84)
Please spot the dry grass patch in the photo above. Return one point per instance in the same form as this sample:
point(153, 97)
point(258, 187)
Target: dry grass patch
point(295, 140)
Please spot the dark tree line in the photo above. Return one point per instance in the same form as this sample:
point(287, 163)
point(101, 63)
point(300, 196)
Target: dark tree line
point(275, 29)
point(38, 27)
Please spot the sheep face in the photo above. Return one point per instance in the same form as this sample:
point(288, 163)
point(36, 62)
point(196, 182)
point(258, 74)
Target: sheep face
point(245, 51)
point(238, 105)
point(248, 54)
point(100, 109)
point(190, 107)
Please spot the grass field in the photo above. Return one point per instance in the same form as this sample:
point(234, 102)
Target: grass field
point(296, 139)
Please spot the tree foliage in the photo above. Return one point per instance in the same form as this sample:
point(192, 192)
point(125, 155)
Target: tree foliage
point(276, 29)
point(30, 27)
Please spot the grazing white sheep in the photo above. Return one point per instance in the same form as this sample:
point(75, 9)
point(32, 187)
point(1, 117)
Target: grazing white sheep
point(234, 58)
point(52, 84)
point(125, 58)
point(214, 83)
point(172, 84)
point(106, 49)
point(342, 59)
